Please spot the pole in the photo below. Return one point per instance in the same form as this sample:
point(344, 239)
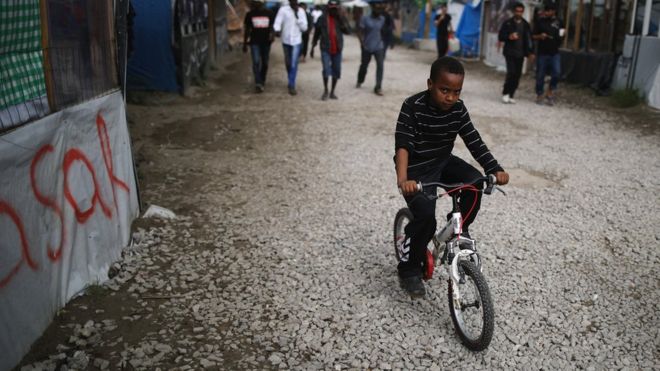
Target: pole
point(211, 30)
point(647, 17)
point(427, 18)
point(633, 16)
point(578, 26)
point(568, 22)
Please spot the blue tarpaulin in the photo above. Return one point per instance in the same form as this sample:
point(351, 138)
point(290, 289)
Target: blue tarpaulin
point(151, 65)
point(468, 30)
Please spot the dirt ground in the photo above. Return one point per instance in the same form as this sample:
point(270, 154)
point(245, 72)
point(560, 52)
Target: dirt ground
point(200, 155)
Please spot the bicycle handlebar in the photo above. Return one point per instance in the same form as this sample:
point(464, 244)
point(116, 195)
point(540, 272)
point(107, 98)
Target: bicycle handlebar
point(490, 180)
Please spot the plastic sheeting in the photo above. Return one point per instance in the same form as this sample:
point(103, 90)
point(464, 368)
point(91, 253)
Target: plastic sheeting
point(67, 200)
point(469, 30)
point(653, 87)
point(595, 70)
point(151, 66)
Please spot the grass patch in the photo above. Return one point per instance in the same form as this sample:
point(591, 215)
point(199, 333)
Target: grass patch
point(95, 290)
point(625, 98)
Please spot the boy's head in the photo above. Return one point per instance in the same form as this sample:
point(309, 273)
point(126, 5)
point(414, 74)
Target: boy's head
point(446, 82)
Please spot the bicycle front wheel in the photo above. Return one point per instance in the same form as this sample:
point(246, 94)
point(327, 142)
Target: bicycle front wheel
point(401, 220)
point(472, 311)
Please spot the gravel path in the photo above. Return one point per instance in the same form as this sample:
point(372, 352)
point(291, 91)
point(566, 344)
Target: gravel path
point(281, 256)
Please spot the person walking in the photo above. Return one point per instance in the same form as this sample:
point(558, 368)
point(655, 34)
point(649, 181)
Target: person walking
point(329, 29)
point(443, 29)
point(372, 45)
point(258, 36)
point(516, 35)
point(305, 35)
point(388, 31)
point(549, 32)
point(290, 23)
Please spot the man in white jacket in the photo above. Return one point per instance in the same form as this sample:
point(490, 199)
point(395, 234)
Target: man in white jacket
point(290, 23)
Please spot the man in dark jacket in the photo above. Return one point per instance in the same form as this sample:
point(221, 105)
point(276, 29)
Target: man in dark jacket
point(549, 32)
point(329, 29)
point(516, 35)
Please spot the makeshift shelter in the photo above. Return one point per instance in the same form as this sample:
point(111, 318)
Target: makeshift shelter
point(595, 34)
point(68, 192)
point(469, 29)
point(176, 42)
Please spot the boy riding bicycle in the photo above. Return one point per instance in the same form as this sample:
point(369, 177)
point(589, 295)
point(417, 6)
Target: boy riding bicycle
point(426, 129)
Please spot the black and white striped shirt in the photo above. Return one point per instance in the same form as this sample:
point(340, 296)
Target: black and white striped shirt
point(428, 133)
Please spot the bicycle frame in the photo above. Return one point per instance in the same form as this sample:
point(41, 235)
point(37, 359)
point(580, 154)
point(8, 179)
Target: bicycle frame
point(450, 236)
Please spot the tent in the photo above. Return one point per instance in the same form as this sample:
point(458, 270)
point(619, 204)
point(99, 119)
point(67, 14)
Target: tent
point(151, 65)
point(469, 29)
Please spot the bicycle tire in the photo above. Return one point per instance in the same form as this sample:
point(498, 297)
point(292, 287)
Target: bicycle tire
point(472, 342)
point(399, 225)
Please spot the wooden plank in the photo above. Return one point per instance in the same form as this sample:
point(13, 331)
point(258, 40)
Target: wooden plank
point(211, 29)
point(568, 22)
point(578, 26)
point(48, 68)
point(591, 25)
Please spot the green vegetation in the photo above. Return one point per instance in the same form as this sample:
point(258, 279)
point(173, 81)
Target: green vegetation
point(95, 290)
point(625, 98)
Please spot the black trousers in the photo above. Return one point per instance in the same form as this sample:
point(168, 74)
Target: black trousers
point(442, 44)
point(513, 72)
point(421, 229)
point(305, 44)
point(379, 56)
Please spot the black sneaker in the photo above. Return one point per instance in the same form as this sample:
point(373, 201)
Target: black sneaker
point(324, 96)
point(413, 286)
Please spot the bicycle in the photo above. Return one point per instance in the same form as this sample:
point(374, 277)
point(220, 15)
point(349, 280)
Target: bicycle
point(463, 266)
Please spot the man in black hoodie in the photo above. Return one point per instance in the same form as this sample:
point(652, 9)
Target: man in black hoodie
point(516, 35)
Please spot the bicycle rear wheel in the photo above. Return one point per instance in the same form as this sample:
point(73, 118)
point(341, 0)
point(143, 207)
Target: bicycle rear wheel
point(473, 314)
point(401, 220)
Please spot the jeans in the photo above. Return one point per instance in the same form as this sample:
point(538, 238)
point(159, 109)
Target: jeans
point(291, 56)
point(366, 59)
point(331, 64)
point(543, 63)
point(513, 72)
point(421, 229)
point(260, 54)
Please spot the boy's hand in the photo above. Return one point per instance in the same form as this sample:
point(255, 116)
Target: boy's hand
point(408, 187)
point(502, 177)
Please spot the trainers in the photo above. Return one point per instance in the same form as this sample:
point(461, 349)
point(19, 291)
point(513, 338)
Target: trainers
point(324, 96)
point(358, 85)
point(413, 286)
point(333, 96)
point(292, 91)
point(506, 99)
point(378, 92)
point(550, 101)
point(512, 101)
point(260, 88)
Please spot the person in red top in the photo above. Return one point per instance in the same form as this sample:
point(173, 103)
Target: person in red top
point(330, 28)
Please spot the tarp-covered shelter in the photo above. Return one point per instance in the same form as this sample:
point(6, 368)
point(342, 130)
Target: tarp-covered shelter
point(68, 191)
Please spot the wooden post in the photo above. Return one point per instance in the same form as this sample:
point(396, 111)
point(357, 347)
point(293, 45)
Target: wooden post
point(48, 68)
point(211, 30)
point(591, 25)
point(568, 22)
point(427, 18)
point(578, 26)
